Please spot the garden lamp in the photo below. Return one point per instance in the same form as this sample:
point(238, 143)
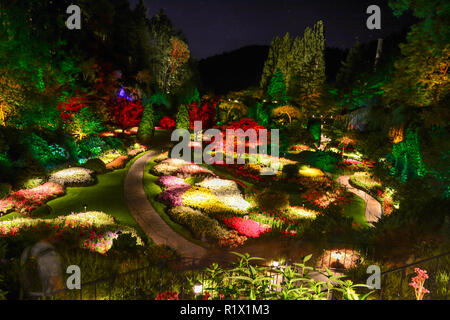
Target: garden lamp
point(198, 288)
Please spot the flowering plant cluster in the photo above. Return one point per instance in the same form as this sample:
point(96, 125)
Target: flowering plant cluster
point(198, 223)
point(232, 240)
point(173, 196)
point(204, 113)
point(118, 163)
point(168, 166)
point(170, 181)
point(203, 199)
point(76, 176)
point(244, 124)
point(167, 123)
point(71, 107)
point(168, 295)
point(417, 283)
point(246, 227)
point(90, 230)
point(193, 170)
point(125, 113)
point(26, 200)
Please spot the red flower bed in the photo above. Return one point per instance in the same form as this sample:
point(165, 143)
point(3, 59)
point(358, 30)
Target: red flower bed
point(245, 227)
point(167, 123)
point(244, 124)
point(26, 200)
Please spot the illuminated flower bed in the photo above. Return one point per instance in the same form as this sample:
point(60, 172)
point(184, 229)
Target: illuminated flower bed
point(162, 156)
point(26, 200)
point(172, 196)
point(171, 181)
point(118, 163)
point(91, 230)
point(168, 166)
point(203, 199)
point(193, 170)
point(228, 192)
point(246, 227)
point(72, 177)
point(198, 223)
point(232, 240)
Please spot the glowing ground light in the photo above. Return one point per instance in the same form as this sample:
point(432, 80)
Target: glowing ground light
point(198, 288)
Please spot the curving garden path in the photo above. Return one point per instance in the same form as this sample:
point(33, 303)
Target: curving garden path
point(146, 216)
point(373, 207)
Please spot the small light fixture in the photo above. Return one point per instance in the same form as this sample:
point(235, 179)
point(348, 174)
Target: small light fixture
point(275, 263)
point(198, 288)
point(85, 207)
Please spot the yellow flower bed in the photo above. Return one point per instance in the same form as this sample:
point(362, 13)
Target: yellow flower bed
point(203, 199)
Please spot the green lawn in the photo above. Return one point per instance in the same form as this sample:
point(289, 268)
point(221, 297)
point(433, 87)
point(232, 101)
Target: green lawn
point(356, 209)
point(106, 196)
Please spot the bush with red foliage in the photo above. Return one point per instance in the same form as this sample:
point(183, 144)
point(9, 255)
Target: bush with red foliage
point(69, 108)
point(125, 113)
point(167, 123)
point(205, 113)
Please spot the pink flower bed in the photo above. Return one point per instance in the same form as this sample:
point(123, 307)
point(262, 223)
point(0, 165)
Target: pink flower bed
point(246, 227)
point(170, 181)
point(172, 195)
point(26, 200)
point(193, 170)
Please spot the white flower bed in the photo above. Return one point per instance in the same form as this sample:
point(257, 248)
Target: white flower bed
point(76, 176)
point(169, 166)
point(228, 192)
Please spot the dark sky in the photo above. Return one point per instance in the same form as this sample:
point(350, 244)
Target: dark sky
point(215, 26)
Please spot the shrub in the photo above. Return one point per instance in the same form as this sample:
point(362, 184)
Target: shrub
point(96, 165)
point(147, 124)
point(110, 155)
point(167, 123)
point(5, 189)
point(161, 157)
point(72, 177)
point(198, 223)
point(272, 200)
point(84, 124)
point(91, 147)
point(118, 163)
point(182, 118)
point(290, 171)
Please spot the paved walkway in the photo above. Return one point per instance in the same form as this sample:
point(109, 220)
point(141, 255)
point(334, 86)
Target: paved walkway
point(373, 207)
point(148, 219)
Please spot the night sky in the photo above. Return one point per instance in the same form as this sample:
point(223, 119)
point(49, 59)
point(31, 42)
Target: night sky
point(216, 26)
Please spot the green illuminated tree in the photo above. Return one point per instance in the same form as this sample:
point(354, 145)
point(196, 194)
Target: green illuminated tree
point(277, 87)
point(182, 118)
point(147, 125)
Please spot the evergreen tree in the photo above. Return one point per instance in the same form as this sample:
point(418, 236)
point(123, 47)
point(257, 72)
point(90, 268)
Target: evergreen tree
point(277, 87)
point(349, 69)
point(147, 125)
point(182, 117)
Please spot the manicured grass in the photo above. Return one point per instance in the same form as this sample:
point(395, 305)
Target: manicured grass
point(152, 190)
point(10, 216)
point(106, 196)
point(356, 209)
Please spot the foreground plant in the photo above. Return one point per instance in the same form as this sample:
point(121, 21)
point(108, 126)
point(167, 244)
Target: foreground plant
point(249, 280)
point(417, 283)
